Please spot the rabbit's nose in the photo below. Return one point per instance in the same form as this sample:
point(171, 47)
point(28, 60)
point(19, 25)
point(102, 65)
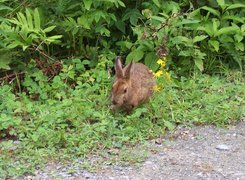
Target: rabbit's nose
point(114, 102)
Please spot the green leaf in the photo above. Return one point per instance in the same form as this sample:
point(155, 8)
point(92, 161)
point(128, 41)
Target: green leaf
point(169, 125)
point(24, 47)
point(238, 37)
point(5, 59)
point(135, 56)
point(37, 19)
point(211, 10)
point(226, 30)
point(243, 28)
point(239, 46)
point(216, 24)
point(157, 3)
point(215, 44)
point(49, 29)
point(120, 25)
point(98, 15)
point(29, 19)
point(185, 53)
point(87, 4)
point(35, 137)
point(187, 21)
point(158, 18)
point(121, 3)
point(199, 38)
point(23, 19)
point(14, 45)
point(221, 3)
point(53, 38)
point(103, 31)
point(83, 21)
point(199, 63)
point(3, 7)
point(133, 15)
point(234, 18)
point(150, 61)
point(134, 19)
point(14, 21)
point(235, 6)
point(182, 40)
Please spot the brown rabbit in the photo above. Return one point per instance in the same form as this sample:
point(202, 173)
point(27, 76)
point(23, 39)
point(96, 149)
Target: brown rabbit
point(133, 85)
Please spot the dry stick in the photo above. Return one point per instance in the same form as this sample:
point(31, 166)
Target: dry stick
point(10, 76)
point(41, 52)
point(167, 22)
point(108, 71)
point(35, 48)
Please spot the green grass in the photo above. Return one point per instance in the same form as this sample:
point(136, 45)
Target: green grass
point(56, 122)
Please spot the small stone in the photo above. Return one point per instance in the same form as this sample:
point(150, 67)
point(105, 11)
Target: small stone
point(113, 151)
point(223, 147)
point(16, 142)
point(200, 174)
point(162, 154)
point(125, 177)
point(87, 175)
point(239, 174)
point(158, 141)
point(148, 163)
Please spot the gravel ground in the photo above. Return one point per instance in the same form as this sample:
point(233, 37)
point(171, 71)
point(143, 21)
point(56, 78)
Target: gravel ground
point(204, 152)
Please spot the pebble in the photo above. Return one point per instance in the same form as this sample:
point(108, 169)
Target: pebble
point(223, 147)
point(201, 175)
point(162, 154)
point(17, 142)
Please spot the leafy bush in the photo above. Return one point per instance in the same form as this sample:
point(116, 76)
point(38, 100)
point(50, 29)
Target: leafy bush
point(193, 35)
point(207, 35)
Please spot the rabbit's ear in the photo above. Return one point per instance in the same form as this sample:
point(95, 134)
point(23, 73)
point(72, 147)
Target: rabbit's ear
point(118, 67)
point(128, 70)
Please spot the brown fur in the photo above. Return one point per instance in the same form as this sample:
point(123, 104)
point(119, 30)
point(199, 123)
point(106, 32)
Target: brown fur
point(133, 85)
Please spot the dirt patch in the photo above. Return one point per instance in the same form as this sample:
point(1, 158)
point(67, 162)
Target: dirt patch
point(205, 152)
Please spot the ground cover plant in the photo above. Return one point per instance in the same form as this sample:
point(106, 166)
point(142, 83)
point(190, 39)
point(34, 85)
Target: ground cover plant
point(56, 72)
point(67, 122)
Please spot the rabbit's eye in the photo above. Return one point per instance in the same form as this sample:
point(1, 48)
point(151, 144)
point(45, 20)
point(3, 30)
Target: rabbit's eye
point(125, 90)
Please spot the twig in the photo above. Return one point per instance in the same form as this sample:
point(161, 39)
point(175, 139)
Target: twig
point(35, 48)
point(41, 52)
point(108, 71)
point(11, 76)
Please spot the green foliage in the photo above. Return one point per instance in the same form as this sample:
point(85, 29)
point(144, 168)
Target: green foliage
point(9, 122)
point(192, 35)
point(193, 38)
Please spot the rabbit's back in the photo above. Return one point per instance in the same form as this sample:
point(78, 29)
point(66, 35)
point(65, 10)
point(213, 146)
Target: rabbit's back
point(141, 75)
point(142, 82)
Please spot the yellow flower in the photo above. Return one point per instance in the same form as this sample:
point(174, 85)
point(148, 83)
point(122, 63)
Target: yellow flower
point(158, 73)
point(162, 62)
point(156, 88)
point(168, 76)
point(159, 61)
